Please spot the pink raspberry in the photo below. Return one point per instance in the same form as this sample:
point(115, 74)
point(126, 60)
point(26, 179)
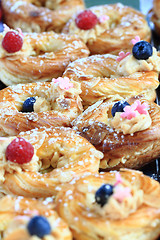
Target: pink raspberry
point(86, 20)
point(19, 151)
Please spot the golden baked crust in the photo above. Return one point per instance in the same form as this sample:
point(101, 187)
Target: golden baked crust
point(116, 33)
point(55, 106)
point(16, 212)
point(154, 15)
point(120, 150)
point(59, 155)
point(156, 7)
point(87, 220)
point(39, 16)
point(42, 57)
point(103, 77)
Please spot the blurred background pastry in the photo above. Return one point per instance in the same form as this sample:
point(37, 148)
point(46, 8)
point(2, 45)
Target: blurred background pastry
point(39, 16)
point(24, 218)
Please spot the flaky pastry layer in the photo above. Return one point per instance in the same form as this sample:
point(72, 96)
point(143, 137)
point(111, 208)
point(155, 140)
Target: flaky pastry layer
point(42, 57)
point(87, 219)
point(120, 150)
point(100, 79)
point(114, 34)
point(59, 155)
point(57, 107)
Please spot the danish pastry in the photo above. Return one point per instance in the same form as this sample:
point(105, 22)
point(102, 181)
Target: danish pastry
point(114, 205)
point(40, 56)
point(113, 77)
point(24, 218)
point(108, 28)
point(37, 162)
point(39, 16)
point(33, 105)
point(127, 133)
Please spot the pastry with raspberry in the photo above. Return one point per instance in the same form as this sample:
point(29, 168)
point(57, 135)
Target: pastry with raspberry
point(36, 57)
point(37, 163)
point(108, 28)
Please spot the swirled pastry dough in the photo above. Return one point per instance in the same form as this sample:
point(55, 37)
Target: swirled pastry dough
point(135, 216)
point(59, 156)
point(54, 106)
point(103, 77)
point(115, 33)
point(42, 57)
point(131, 149)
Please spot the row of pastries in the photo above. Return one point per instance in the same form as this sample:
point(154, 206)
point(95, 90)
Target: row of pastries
point(78, 121)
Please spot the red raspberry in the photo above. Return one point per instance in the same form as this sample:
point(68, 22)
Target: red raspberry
point(12, 42)
point(19, 151)
point(86, 20)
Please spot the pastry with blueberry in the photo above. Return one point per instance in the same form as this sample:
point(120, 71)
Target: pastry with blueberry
point(34, 105)
point(110, 206)
point(110, 77)
point(128, 133)
point(31, 219)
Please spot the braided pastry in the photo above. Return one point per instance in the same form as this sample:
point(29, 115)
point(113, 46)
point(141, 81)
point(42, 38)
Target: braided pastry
point(39, 16)
point(53, 156)
point(54, 103)
point(26, 218)
point(40, 57)
point(114, 205)
point(114, 78)
point(109, 28)
point(130, 139)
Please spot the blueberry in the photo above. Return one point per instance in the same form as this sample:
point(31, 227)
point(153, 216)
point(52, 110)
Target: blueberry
point(39, 226)
point(103, 193)
point(28, 104)
point(119, 107)
point(142, 50)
